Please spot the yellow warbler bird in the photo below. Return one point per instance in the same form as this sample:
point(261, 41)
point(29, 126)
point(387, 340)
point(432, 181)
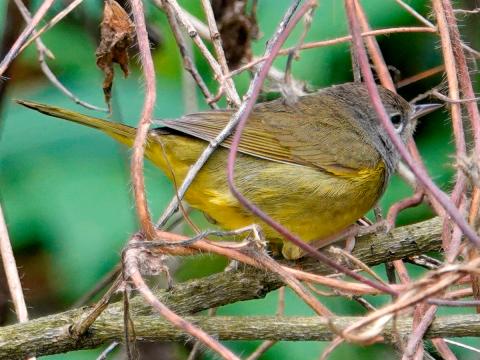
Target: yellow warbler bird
point(315, 166)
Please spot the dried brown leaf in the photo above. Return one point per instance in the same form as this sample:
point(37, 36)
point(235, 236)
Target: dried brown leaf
point(237, 28)
point(116, 32)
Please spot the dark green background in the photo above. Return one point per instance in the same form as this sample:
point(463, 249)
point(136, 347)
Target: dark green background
point(66, 190)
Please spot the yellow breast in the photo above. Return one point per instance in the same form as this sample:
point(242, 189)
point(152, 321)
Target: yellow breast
point(310, 203)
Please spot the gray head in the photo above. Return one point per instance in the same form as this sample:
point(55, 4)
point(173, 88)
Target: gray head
point(402, 115)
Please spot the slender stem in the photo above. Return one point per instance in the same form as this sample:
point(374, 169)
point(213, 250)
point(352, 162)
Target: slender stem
point(11, 272)
point(339, 40)
point(15, 49)
point(131, 269)
point(138, 180)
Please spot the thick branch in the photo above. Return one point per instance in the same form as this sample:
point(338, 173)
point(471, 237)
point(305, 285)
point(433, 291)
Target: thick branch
point(151, 328)
point(50, 334)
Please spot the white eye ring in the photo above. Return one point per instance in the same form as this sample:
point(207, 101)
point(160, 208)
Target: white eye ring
point(397, 122)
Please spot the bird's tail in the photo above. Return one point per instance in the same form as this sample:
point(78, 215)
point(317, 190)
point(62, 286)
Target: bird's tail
point(123, 133)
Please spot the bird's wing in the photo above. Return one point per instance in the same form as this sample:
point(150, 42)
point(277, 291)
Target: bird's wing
point(278, 132)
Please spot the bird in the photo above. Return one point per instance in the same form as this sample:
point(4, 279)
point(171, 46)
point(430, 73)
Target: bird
point(314, 166)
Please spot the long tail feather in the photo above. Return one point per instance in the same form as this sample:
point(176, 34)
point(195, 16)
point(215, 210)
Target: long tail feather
point(120, 132)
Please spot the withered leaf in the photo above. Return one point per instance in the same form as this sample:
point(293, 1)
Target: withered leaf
point(116, 33)
point(237, 28)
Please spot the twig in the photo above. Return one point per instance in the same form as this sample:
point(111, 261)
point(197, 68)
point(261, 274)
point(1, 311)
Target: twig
point(375, 53)
point(414, 13)
point(443, 349)
point(451, 248)
point(106, 280)
point(28, 18)
point(471, 348)
point(42, 53)
point(289, 90)
point(11, 272)
point(188, 63)
point(465, 12)
point(217, 44)
point(428, 23)
point(339, 40)
point(82, 325)
point(108, 350)
point(420, 76)
point(331, 347)
point(57, 18)
point(418, 333)
point(138, 180)
point(396, 208)
point(185, 22)
point(14, 50)
point(468, 92)
point(131, 271)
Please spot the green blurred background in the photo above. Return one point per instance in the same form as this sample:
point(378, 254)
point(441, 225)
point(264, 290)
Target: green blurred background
point(66, 192)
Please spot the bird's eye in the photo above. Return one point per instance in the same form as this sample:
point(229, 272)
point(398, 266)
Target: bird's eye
point(397, 121)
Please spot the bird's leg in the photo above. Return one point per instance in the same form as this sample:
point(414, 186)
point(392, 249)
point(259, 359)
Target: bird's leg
point(362, 228)
point(254, 238)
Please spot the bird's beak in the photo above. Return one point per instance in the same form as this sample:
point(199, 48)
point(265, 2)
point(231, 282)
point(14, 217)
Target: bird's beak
point(424, 109)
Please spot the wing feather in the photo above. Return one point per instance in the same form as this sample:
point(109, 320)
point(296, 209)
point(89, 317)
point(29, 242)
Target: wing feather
point(328, 140)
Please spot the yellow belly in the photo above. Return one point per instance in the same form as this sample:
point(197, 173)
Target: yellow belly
point(310, 203)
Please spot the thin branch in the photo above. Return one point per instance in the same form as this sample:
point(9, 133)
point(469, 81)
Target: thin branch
point(11, 272)
point(415, 338)
point(52, 22)
point(217, 44)
point(450, 246)
point(138, 180)
point(339, 40)
point(420, 76)
point(185, 22)
point(375, 53)
point(14, 50)
point(465, 12)
point(131, 270)
point(43, 52)
point(414, 13)
point(188, 63)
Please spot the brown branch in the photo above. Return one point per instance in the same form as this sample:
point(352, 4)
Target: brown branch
point(336, 41)
point(15, 49)
point(226, 84)
point(28, 339)
point(44, 52)
point(131, 270)
point(217, 290)
point(11, 272)
point(188, 63)
point(217, 44)
point(450, 246)
point(138, 180)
